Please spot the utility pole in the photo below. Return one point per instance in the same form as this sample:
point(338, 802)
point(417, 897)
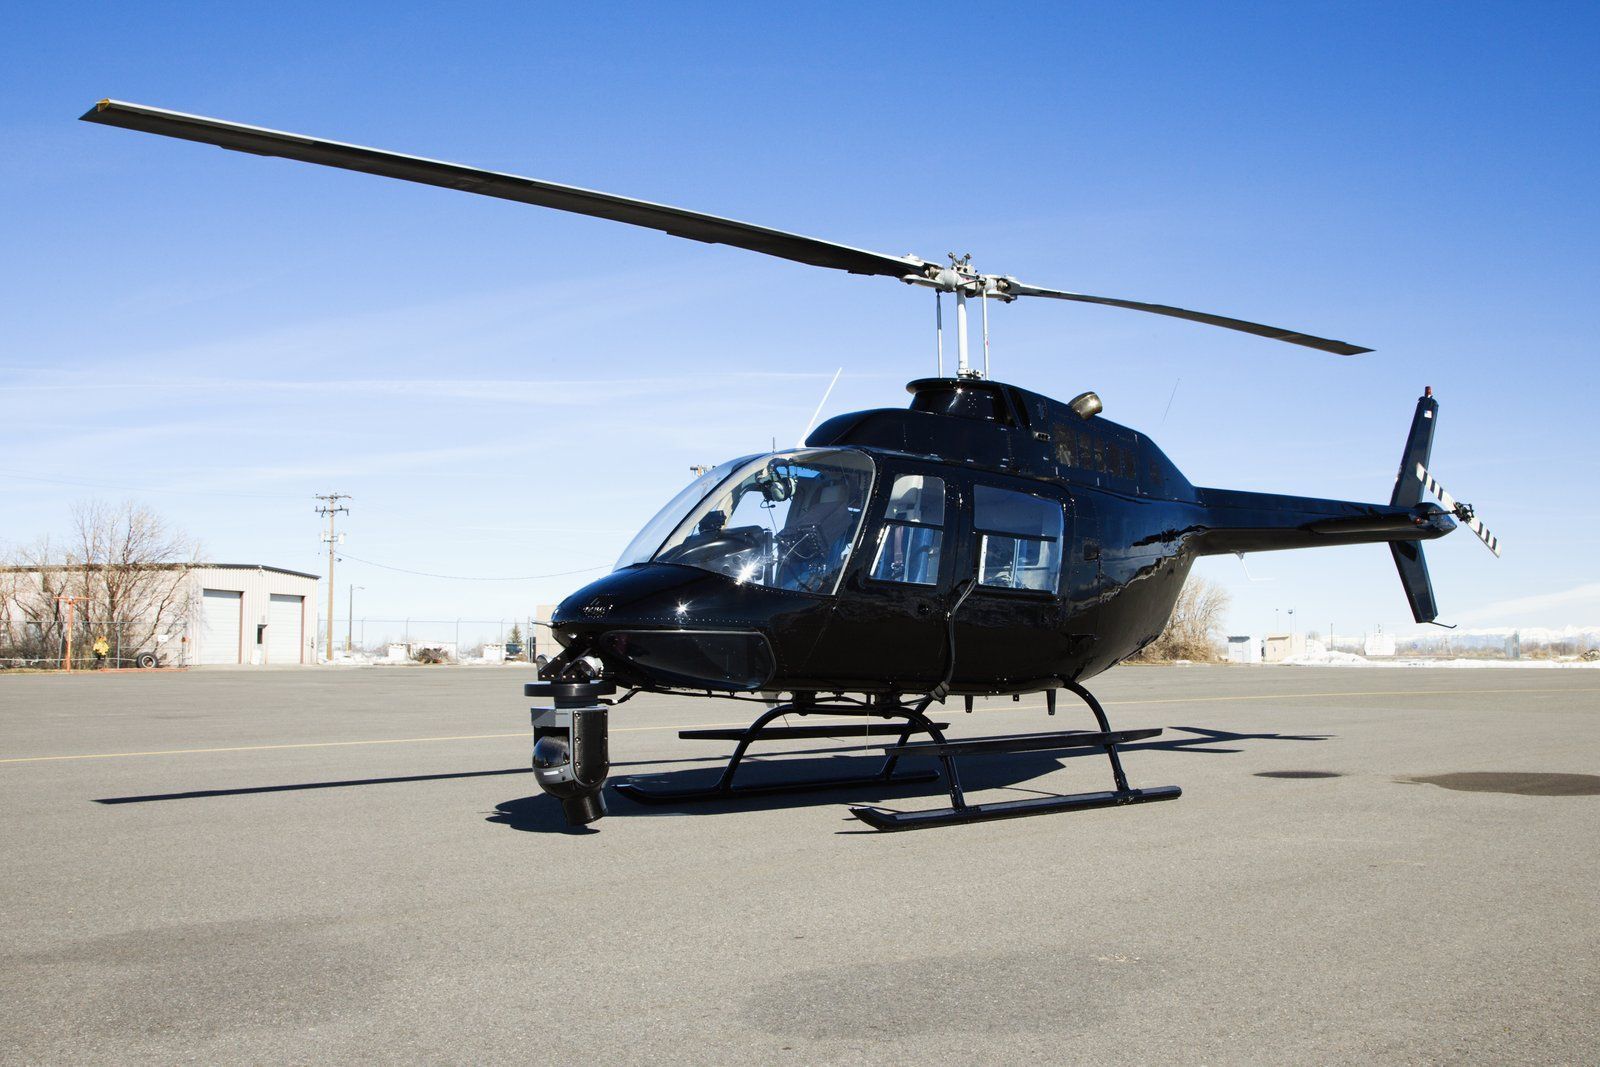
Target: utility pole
point(331, 507)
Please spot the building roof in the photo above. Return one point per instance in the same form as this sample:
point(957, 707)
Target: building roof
point(173, 567)
point(257, 567)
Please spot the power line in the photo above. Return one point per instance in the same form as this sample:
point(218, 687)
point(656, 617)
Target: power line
point(475, 578)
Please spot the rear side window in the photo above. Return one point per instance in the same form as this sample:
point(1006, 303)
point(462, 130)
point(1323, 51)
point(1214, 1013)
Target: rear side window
point(912, 538)
point(1019, 539)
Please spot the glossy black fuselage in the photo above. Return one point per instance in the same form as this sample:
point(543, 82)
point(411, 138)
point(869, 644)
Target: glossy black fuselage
point(1133, 526)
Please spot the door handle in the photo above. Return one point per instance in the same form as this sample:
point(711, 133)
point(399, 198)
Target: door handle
point(924, 608)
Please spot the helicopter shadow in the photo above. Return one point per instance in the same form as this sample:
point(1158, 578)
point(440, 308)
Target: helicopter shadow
point(542, 814)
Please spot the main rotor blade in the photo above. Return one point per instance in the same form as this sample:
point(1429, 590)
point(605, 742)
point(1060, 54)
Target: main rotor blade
point(676, 221)
point(1342, 348)
point(673, 220)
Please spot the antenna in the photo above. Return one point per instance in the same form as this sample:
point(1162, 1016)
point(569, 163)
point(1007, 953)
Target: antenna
point(813, 420)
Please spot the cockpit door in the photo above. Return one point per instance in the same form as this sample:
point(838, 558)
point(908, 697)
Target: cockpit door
point(1009, 628)
point(888, 621)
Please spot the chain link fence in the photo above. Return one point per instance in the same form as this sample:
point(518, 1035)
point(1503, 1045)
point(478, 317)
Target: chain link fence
point(385, 640)
point(90, 644)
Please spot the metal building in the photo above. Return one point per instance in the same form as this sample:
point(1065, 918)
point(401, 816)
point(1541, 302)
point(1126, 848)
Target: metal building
point(184, 616)
point(1244, 648)
point(252, 614)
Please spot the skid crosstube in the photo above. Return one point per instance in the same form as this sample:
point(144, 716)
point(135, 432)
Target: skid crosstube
point(915, 723)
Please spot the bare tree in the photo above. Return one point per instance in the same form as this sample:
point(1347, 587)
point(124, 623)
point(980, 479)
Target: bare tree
point(1195, 625)
point(133, 570)
point(125, 567)
point(34, 623)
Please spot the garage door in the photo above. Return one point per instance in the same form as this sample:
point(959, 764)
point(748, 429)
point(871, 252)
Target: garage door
point(220, 613)
point(285, 629)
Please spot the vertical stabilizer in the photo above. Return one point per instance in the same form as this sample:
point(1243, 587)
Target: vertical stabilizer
point(1419, 448)
point(1413, 568)
point(1408, 490)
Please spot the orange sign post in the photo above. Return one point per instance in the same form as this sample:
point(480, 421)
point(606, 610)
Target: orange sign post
point(71, 602)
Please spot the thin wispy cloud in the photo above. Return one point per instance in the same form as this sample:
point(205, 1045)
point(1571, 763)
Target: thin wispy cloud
point(1578, 599)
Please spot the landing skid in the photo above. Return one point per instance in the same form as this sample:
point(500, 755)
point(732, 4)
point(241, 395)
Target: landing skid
point(940, 748)
point(724, 789)
point(960, 811)
point(882, 819)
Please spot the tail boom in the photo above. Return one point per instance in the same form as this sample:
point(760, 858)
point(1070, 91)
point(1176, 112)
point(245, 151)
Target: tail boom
point(1263, 522)
point(1268, 522)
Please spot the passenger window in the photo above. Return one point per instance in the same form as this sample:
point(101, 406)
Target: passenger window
point(1019, 540)
point(913, 531)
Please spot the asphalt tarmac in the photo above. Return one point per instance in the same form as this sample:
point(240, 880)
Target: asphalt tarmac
point(336, 865)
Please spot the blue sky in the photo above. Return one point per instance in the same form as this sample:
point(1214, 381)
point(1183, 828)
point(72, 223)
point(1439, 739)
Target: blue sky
point(509, 391)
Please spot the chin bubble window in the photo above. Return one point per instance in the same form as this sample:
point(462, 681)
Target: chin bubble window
point(913, 531)
point(1019, 540)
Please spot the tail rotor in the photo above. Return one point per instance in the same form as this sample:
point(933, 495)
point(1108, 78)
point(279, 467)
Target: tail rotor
point(1463, 512)
point(1411, 484)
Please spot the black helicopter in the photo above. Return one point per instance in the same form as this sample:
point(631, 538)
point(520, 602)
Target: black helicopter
point(987, 540)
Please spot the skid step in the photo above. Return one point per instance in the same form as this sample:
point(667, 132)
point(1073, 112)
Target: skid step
point(977, 746)
point(644, 795)
point(884, 819)
point(842, 730)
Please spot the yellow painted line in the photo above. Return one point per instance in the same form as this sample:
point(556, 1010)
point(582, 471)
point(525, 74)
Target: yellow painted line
point(840, 719)
point(259, 748)
point(341, 744)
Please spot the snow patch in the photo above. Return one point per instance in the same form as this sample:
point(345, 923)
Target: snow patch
point(1349, 659)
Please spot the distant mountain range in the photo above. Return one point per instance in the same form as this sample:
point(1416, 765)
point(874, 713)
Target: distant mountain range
point(1568, 640)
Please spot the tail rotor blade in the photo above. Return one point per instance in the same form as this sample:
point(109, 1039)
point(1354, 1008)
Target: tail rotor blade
point(1463, 512)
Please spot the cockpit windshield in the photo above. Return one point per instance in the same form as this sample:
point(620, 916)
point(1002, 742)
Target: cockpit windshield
point(784, 521)
point(647, 540)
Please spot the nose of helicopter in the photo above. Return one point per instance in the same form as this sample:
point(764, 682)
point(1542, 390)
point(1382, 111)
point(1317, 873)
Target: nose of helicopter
point(661, 624)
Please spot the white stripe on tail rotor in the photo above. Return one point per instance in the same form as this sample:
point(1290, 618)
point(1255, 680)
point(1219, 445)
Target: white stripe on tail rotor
point(1460, 511)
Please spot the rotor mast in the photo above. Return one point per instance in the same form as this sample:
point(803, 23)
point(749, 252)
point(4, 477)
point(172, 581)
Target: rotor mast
point(959, 278)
